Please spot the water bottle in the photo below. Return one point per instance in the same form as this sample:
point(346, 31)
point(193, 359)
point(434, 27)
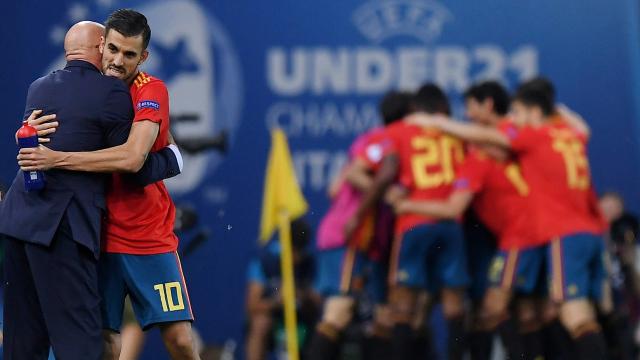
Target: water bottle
point(28, 137)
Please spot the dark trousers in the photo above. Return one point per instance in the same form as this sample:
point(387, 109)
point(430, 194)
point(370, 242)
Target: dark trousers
point(51, 299)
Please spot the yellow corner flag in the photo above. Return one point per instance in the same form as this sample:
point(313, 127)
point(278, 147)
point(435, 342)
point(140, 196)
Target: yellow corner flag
point(281, 202)
point(281, 190)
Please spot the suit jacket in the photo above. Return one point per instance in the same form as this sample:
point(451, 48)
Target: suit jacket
point(94, 112)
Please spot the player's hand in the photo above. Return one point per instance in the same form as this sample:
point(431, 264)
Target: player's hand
point(45, 125)
point(395, 194)
point(572, 117)
point(40, 158)
point(338, 311)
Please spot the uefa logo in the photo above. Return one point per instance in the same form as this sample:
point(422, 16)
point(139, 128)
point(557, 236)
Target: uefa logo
point(381, 20)
point(191, 52)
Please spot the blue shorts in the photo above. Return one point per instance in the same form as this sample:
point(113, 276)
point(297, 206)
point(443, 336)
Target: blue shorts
point(481, 243)
point(375, 274)
point(576, 267)
point(155, 284)
point(520, 271)
point(430, 256)
point(339, 271)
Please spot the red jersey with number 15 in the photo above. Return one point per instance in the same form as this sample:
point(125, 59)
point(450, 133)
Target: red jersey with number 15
point(140, 219)
point(428, 161)
point(554, 163)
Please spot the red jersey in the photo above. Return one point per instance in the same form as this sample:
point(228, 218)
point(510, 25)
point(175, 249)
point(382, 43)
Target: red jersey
point(376, 145)
point(554, 163)
point(501, 197)
point(140, 219)
point(428, 161)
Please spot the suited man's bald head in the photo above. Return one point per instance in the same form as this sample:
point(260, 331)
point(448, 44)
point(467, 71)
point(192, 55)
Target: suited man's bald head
point(82, 42)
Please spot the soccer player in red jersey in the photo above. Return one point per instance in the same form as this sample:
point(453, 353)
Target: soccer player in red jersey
point(139, 256)
point(491, 180)
point(427, 253)
point(564, 214)
point(344, 263)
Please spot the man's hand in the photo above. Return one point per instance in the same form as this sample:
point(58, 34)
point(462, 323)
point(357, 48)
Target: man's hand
point(40, 158)
point(45, 125)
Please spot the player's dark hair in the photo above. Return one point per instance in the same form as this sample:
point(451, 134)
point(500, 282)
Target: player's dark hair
point(544, 85)
point(394, 105)
point(490, 90)
point(300, 234)
point(431, 99)
point(533, 93)
point(129, 23)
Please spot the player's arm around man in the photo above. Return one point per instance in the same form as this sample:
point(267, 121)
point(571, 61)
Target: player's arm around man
point(160, 296)
point(128, 157)
point(451, 208)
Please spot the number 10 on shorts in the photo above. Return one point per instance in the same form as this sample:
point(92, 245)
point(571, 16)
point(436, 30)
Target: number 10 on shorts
point(166, 292)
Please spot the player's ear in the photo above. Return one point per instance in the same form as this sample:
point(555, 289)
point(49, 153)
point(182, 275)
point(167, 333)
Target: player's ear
point(143, 57)
point(101, 46)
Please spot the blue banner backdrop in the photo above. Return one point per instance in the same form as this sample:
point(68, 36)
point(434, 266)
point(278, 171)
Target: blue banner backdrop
point(317, 69)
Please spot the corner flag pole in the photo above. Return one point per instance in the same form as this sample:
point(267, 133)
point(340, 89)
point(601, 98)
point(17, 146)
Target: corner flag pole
point(283, 201)
point(288, 287)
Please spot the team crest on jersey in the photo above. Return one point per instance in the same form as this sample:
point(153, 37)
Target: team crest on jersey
point(461, 183)
point(374, 152)
point(511, 132)
point(148, 104)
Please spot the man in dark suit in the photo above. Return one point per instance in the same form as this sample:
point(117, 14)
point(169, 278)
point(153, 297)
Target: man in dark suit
point(53, 235)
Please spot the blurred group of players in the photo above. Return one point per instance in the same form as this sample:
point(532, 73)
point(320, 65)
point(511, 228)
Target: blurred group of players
point(496, 219)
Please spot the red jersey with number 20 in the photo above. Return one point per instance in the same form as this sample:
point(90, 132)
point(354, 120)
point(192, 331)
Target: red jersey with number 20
point(554, 163)
point(428, 161)
point(140, 219)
